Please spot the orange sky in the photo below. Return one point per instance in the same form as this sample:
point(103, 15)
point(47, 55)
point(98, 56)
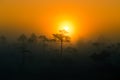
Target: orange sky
point(88, 17)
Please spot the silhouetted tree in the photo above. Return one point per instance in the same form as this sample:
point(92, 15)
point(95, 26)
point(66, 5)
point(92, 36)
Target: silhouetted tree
point(44, 39)
point(62, 37)
point(33, 38)
point(22, 45)
point(3, 39)
point(22, 39)
point(100, 44)
point(71, 51)
point(52, 43)
point(100, 57)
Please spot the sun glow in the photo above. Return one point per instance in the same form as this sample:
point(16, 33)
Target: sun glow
point(66, 28)
point(68, 25)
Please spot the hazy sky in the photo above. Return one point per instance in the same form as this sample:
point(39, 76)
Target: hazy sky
point(89, 17)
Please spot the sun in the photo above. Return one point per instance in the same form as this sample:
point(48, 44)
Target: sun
point(69, 27)
point(66, 28)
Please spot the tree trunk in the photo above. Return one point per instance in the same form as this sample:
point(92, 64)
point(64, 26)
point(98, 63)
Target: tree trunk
point(44, 46)
point(61, 48)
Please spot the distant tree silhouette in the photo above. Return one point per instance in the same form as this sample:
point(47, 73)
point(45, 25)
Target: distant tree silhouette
point(33, 38)
point(100, 44)
point(52, 42)
point(22, 45)
point(44, 39)
point(100, 57)
point(22, 39)
point(62, 37)
point(3, 39)
point(71, 51)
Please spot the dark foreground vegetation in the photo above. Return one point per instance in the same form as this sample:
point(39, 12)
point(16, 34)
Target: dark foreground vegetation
point(40, 58)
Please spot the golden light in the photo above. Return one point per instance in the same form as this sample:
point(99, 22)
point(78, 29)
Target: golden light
point(66, 28)
point(69, 24)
